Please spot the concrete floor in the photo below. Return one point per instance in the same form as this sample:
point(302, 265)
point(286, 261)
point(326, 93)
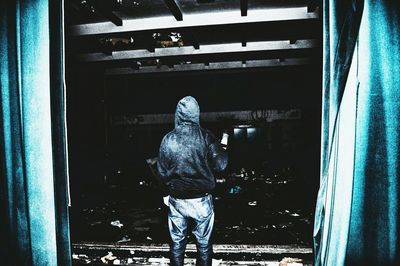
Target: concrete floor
point(189, 262)
point(271, 255)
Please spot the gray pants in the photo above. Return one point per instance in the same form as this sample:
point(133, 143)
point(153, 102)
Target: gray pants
point(201, 211)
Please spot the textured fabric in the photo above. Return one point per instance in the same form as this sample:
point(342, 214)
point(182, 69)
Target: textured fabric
point(374, 221)
point(27, 189)
point(201, 212)
point(341, 20)
point(190, 154)
point(356, 218)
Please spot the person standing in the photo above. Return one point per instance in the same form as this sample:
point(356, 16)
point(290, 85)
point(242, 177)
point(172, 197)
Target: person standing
point(188, 158)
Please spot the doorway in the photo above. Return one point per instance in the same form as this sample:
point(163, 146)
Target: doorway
point(256, 72)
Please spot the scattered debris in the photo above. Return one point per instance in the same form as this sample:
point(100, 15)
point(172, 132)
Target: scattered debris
point(95, 223)
point(160, 261)
point(144, 183)
point(173, 39)
point(117, 223)
point(79, 257)
point(124, 239)
point(252, 203)
point(292, 214)
point(216, 262)
point(287, 261)
point(221, 180)
point(237, 201)
point(108, 257)
point(235, 190)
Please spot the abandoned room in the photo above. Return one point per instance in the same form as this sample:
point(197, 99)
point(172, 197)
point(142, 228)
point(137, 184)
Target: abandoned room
point(303, 95)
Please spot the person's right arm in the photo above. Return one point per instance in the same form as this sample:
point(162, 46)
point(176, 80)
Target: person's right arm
point(163, 171)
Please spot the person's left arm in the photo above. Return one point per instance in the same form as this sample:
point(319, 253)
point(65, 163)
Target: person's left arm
point(217, 155)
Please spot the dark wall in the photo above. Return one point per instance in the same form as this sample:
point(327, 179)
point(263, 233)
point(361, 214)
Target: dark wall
point(217, 91)
point(97, 149)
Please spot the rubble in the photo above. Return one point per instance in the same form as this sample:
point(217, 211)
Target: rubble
point(108, 257)
point(117, 223)
point(235, 190)
point(124, 240)
point(287, 261)
point(264, 203)
point(252, 203)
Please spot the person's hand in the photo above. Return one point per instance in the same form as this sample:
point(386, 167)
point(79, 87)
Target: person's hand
point(166, 200)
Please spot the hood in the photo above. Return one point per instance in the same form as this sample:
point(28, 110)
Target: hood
point(187, 111)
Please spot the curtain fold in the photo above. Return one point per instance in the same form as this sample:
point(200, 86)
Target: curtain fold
point(374, 220)
point(356, 218)
point(32, 216)
point(59, 132)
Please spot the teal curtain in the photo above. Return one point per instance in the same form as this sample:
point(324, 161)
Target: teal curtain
point(33, 191)
point(356, 218)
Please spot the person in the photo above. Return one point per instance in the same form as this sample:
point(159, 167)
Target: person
point(188, 158)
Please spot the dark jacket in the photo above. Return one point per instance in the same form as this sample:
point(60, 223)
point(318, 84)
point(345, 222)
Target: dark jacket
point(190, 154)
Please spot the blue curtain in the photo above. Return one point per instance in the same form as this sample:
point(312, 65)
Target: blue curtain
point(33, 192)
point(356, 219)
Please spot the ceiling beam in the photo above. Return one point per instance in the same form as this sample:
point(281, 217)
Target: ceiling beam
point(250, 64)
point(194, 20)
point(108, 14)
point(313, 5)
point(243, 7)
point(239, 117)
point(204, 50)
point(174, 8)
point(113, 18)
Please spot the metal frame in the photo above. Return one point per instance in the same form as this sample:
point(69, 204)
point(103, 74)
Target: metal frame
point(191, 51)
point(174, 8)
point(233, 65)
point(195, 20)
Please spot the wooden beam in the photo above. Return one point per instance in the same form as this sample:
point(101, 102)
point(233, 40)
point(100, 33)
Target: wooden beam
point(243, 7)
point(195, 20)
point(174, 8)
point(237, 65)
point(205, 50)
point(218, 248)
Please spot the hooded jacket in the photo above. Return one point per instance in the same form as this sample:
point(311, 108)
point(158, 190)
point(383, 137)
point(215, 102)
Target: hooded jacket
point(189, 154)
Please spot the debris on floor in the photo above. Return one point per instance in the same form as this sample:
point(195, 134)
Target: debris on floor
point(235, 190)
point(108, 257)
point(124, 240)
point(117, 223)
point(287, 261)
point(249, 211)
point(252, 203)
